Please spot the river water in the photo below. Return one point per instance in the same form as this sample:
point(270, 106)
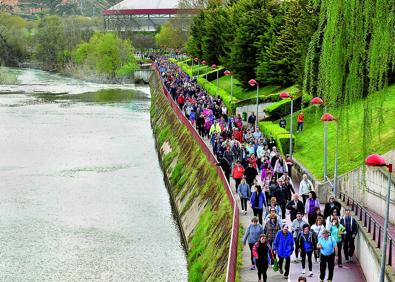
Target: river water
point(82, 196)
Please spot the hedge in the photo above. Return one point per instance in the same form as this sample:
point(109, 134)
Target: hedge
point(279, 134)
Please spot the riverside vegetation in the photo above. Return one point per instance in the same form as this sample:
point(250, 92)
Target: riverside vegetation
point(72, 45)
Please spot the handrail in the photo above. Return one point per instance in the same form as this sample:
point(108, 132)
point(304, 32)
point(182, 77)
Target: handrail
point(232, 256)
point(367, 220)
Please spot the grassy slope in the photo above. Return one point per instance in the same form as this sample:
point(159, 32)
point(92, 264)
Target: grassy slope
point(309, 144)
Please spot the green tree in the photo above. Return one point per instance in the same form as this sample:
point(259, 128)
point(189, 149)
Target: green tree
point(50, 42)
point(171, 35)
point(194, 44)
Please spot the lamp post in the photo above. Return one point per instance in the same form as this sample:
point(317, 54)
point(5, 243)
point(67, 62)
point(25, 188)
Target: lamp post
point(214, 66)
point(286, 95)
point(227, 73)
point(205, 64)
point(319, 102)
point(252, 83)
point(377, 160)
point(328, 118)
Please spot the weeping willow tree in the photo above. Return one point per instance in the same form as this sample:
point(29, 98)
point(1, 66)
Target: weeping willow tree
point(351, 56)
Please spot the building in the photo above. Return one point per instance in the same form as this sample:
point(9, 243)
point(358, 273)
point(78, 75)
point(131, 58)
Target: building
point(148, 15)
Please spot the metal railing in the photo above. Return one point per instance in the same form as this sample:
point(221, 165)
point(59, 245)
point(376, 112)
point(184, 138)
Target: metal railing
point(372, 225)
point(233, 246)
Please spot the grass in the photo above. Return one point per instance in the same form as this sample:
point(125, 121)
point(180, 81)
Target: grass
point(309, 143)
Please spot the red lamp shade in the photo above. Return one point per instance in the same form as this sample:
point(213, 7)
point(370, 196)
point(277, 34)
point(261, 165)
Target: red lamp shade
point(227, 72)
point(375, 160)
point(285, 95)
point(252, 82)
point(213, 66)
point(204, 62)
point(317, 101)
point(327, 117)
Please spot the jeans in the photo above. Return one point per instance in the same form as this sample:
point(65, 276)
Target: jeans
point(297, 247)
point(262, 269)
point(330, 261)
point(287, 264)
point(310, 262)
point(243, 204)
point(300, 126)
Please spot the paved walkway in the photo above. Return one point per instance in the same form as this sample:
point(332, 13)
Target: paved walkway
point(351, 272)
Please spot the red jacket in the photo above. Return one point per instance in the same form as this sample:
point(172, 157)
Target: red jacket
point(238, 135)
point(300, 117)
point(181, 99)
point(238, 171)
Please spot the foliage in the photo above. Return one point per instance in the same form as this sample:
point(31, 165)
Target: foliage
point(107, 55)
point(278, 133)
point(309, 143)
point(171, 35)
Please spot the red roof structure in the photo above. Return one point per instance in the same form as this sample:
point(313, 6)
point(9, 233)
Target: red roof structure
point(147, 15)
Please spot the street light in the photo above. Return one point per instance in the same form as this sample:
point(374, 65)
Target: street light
point(214, 66)
point(328, 118)
point(377, 160)
point(205, 64)
point(227, 73)
point(252, 83)
point(317, 101)
point(285, 95)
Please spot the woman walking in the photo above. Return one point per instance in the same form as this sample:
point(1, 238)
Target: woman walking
point(258, 202)
point(337, 232)
point(271, 229)
point(311, 204)
point(252, 235)
point(262, 257)
point(244, 193)
point(307, 243)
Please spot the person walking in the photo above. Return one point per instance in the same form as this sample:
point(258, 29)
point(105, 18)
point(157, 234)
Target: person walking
point(271, 228)
point(300, 120)
point(311, 204)
point(261, 252)
point(251, 120)
point(244, 192)
point(250, 173)
point(351, 231)
point(281, 194)
point(282, 122)
point(332, 203)
point(317, 229)
point(337, 232)
point(305, 188)
point(284, 246)
point(297, 227)
point(307, 243)
point(328, 248)
point(237, 173)
point(258, 202)
point(273, 205)
point(252, 234)
point(295, 206)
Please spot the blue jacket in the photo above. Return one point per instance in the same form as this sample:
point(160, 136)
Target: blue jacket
point(244, 190)
point(252, 234)
point(262, 200)
point(283, 245)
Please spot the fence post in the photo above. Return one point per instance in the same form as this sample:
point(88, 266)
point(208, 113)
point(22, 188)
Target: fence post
point(378, 241)
point(374, 231)
point(370, 223)
point(390, 253)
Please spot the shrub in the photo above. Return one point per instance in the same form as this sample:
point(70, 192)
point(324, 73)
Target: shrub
point(279, 134)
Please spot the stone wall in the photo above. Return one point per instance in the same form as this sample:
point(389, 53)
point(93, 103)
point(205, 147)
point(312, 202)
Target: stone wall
point(198, 194)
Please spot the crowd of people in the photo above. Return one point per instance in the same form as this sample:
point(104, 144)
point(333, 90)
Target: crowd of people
point(263, 181)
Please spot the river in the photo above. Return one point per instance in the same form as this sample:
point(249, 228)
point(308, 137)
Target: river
point(82, 196)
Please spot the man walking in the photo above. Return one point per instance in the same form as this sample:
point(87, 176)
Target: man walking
point(284, 246)
point(351, 231)
point(328, 247)
point(295, 206)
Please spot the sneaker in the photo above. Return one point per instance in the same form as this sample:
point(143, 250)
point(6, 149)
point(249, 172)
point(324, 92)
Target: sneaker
point(245, 212)
point(303, 271)
point(285, 277)
point(296, 260)
point(252, 267)
point(340, 265)
point(280, 270)
point(311, 274)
